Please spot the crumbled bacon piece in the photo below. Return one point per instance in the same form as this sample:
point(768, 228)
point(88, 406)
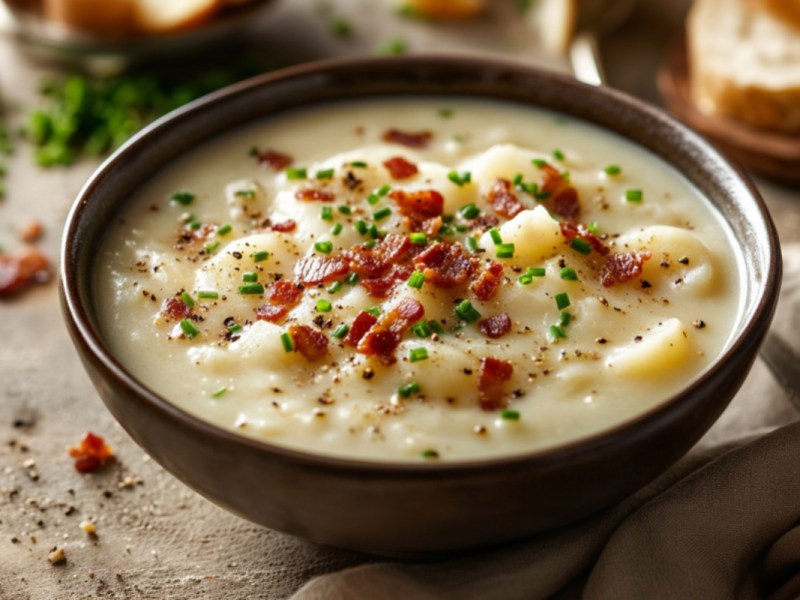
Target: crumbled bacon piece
point(484, 222)
point(310, 195)
point(419, 139)
point(496, 326)
point(381, 286)
point(31, 232)
point(91, 454)
point(571, 230)
point(420, 204)
point(486, 286)
point(284, 227)
point(563, 200)
point(276, 160)
point(400, 168)
point(504, 200)
point(313, 270)
point(312, 344)
point(374, 262)
point(274, 313)
point(385, 335)
point(493, 374)
point(176, 308)
point(18, 270)
point(361, 325)
point(447, 265)
point(286, 292)
point(623, 266)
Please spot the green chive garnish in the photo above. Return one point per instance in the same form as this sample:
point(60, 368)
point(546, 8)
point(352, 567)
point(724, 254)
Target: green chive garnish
point(634, 195)
point(581, 246)
point(287, 342)
point(539, 163)
point(417, 354)
point(509, 415)
point(416, 280)
point(384, 189)
point(392, 47)
point(360, 164)
point(421, 329)
point(466, 312)
point(408, 390)
point(537, 271)
point(495, 235)
point(381, 214)
point(418, 238)
point(345, 210)
point(429, 454)
point(461, 179)
point(294, 173)
point(556, 332)
point(470, 211)
point(259, 255)
point(187, 299)
point(361, 227)
point(436, 326)
point(341, 331)
point(569, 274)
point(184, 198)
point(325, 174)
point(337, 229)
point(335, 287)
point(373, 231)
point(250, 277)
point(224, 230)
point(207, 295)
point(472, 244)
point(189, 329)
point(211, 248)
point(351, 279)
point(373, 199)
point(326, 214)
point(613, 170)
point(251, 289)
point(564, 319)
point(505, 250)
point(374, 311)
point(324, 306)
point(235, 328)
point(249, 194)
point(558, 154)
point(562, 300)
point(445, 112)
point(323, 247)
point(219, 393)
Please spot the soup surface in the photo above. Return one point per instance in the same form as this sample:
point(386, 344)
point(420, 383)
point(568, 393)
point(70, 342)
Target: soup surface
point(418, 280)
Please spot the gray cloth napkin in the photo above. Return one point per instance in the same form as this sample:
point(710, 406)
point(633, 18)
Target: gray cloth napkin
point(723, 523)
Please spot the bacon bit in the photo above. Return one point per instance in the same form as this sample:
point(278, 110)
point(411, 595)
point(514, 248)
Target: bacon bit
point(493, 374)
point(361, 325)
point(420, 204)
point(430, 226)
point(284, 227)
point(447, 265)
point(400, 168)
point(484, 222)
point(385, 335)
point(31, 232)
point(309, 195)
point(91, 454)
point(621, 267)
point(18, 270)
point(496, 326)
point(419, 139)
point(313, 270)
point(504, 200)
point(272, 312)
point(571, 230)
point(380, 287)
point(286, 293)
point(488, 283)
point(309, 342)
point(374, 262)
point(176, 308)
point(276, 160)
point(563, 200)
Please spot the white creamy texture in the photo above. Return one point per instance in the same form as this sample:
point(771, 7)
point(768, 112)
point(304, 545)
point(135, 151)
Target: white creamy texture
point(627, 347)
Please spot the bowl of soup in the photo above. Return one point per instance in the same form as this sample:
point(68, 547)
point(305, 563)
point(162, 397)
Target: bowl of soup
point(417, 305)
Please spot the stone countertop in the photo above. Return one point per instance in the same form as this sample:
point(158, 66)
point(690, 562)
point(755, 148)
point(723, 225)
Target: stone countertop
point(155, 538)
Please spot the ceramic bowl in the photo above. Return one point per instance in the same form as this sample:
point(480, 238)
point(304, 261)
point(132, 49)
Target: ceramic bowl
point(414, 509)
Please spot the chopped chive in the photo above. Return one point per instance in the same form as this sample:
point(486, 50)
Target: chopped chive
point(360, 164)
point(469, 211)
point(537, 271)
point(446, 112)
point(384, 189)
point(249, 194)
point(294, 173)
point(466, 312)
point(417, 354)
point(556, 332)
point(569, 274)
point(287, 342)
point(211, 248)
point(392, 47)
point(517, 181)
point(581, 246)
point(539, 163)
point(496, 237)
point(224, 229)
point(189, 329)
point(593, 227)
point(324, 306)
point(562, 300)
point(525, 279)
point(351, 279)
point(373, 199)
point(250, 277)
point(613, 170)
point(259, 255)
point(418, 238)
point(361, 227)
point(634, 195)
point(324, 247)
point(251, 289)
point(337, 229)
point(472, 244)
point(541, 196)
point(461, 228)
point(371, 244)
point(408, 390)
point(558, 154)
point(184, 198)
point(509, 415)
point(325, 174)
point(335, 287)
point(421, 329)
point(436, 326)
point(448, 218)
point(326, 214)
point(341, 331)
point(565, 175)
point(219, 393)
point(446, 230)
point(187, 299)
point(564, 319)
point(374, 311)
point(505, 250)
point(380, 215)
point(193, 223)
point(345, 210)
point(235, 328)
point(429, 454)
point(374, 233)
point(416, 280)
point(207, 295)
point(460, 180)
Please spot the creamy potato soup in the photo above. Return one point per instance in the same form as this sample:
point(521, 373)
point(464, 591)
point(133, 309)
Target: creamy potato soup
point(418, 280)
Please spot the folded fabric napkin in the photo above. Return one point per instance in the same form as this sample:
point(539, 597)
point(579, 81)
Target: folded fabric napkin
point(724, 522)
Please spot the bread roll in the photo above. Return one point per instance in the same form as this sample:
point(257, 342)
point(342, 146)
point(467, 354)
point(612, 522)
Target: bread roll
point(744, 63)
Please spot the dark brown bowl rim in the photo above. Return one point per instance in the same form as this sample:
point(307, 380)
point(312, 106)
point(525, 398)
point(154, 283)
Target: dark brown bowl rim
point(761, 313)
